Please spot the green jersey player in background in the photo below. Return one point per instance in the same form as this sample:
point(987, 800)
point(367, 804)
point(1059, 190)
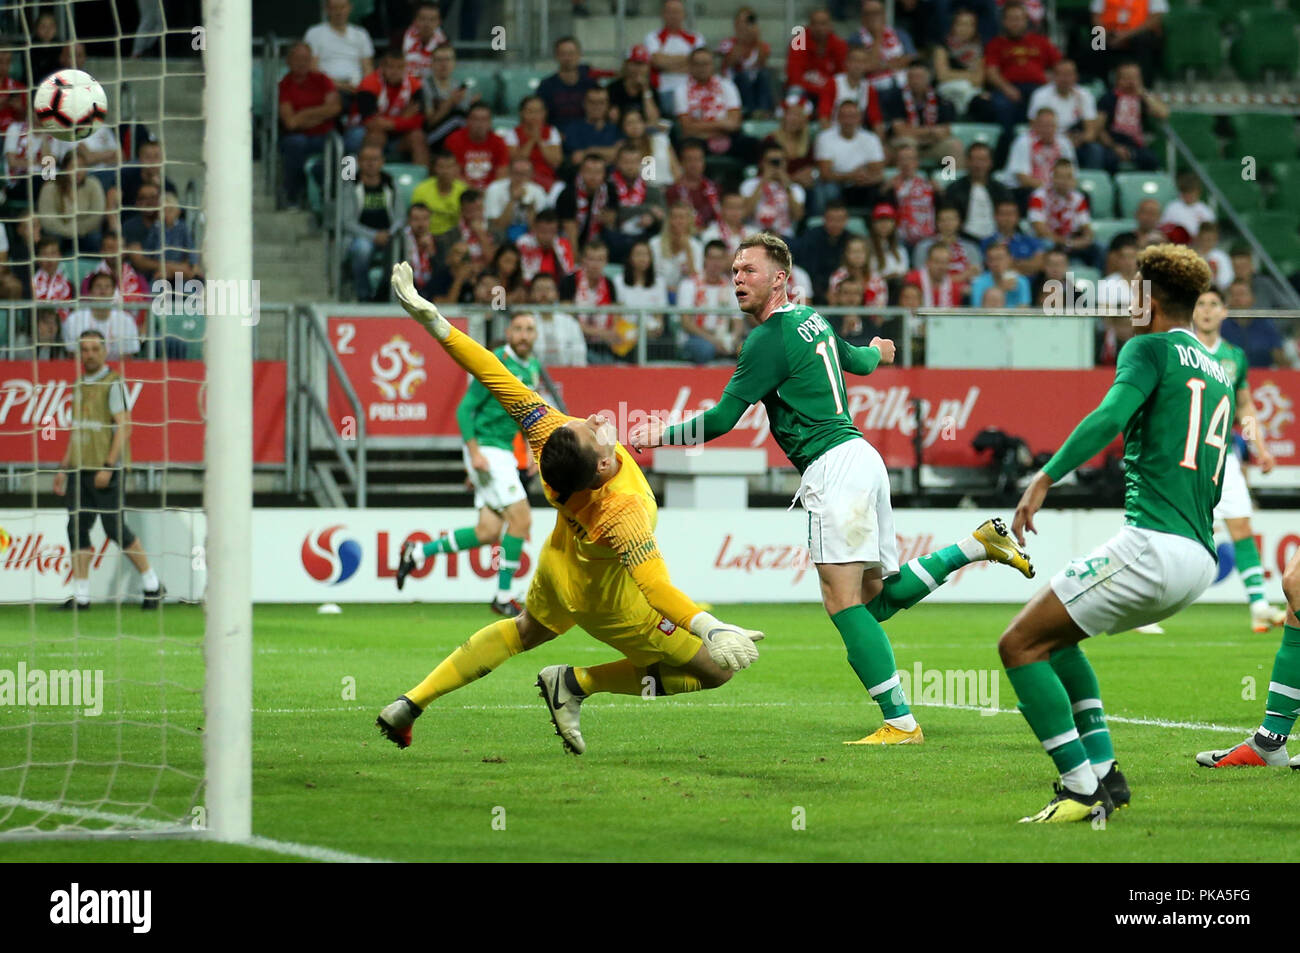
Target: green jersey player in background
point(1173, 401)
point(794, 363)
point(499, 496)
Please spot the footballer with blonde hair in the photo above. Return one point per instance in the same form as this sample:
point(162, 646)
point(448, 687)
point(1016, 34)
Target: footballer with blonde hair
point(1173, 401)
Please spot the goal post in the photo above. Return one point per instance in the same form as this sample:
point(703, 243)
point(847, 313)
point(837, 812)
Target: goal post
point(228, 488)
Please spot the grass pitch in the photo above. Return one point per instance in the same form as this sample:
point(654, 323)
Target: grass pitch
point(729, 774)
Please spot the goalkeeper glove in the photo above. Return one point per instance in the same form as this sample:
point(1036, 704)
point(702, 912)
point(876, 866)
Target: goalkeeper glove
point(730, 646)
point(416, 306)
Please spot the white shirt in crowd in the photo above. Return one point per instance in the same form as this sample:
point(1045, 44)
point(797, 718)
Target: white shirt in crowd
point(679, 43)
point(1114, 292)
point(1019, 160)
point(340, 56)
point(977, 216)
point(1078, 105)
point(671, 268)
point(497, 196)
point(1220, 268)
point(846, 155)
point(1190, 217)
point(642, 296)
point(121, 336)
point(19, 141)
point(560, 341)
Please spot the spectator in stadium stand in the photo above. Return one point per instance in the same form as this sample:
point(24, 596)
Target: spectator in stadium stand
point(694, 188)
point(744, 62)
point(1015, 64)
point(473, 227)
point(388, 110)
point(1026, 250)
point(341, 50)
point(891, 50)
point(1127, 111)
point(560, 342)
point(308, 106)
point(1206, 244)
point(417, 247)
point(999, 274)
point(850, 160)
point(447, 100)
point(1258, 337)
point(544, 250)
point(708, 109)
point(1052, 280)
point(710, 336)
point(854, 84)
point(1188, 209)
point(533, 139)
point(911, 297)
point(73, 56)
point(639, 205)
point(44, 49)
point(658, 158)
point(22, 252)
point(977, 194)
point(101, 157)
point(369, 216)
point(632, 90)
point(1059, 214)
point(795, 138)
point(71, 208)
point(25, 155)
point(773, 201)
point(1264, 291)
point(11, 285)
point(588, 205)
point(1076, 113)
point(1034, 154)
point(821, 246)
point(511, 203)
point(677, 252)
point(939, 289)
point(505, 265)
point(730, 229)
point(49, 280)
point(1146, 218)
point(131, 288)
point(959, 66)
point(855, 265)
point(482, 154)
point(486, 288)
point(595, 132)
point(638, 285)
point(441, 193)
point(172, 242)
point(888, 254)
point(670, 48)
point(589, 286)
point(994, 298)
point(916, 113)
point(858, 329)
point(965, 260)
point(564, 91)
point(13, 95)
point(454, 281)
point(48, 342)
point(100, 313)
point(814, 56)
point(139, 225)
point(147, 167)
point(1133, 31)
point(912, 194)
point(421, 38)
point(1115, 290)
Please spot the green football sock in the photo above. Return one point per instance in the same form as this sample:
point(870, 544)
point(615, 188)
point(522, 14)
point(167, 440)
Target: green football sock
point(1073, 669)
point(1252, 573)
point(917, 579)
point(872, 658)
point(464, 538)
point(511, 548)
point(1283, 704)
point(1046, 706)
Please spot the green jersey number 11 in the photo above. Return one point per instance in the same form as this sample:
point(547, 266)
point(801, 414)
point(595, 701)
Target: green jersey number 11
point(831, 358)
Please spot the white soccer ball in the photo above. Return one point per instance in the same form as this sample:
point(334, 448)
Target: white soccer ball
point(70, 105)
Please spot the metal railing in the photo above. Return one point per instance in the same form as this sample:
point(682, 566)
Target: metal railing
point(308, 404)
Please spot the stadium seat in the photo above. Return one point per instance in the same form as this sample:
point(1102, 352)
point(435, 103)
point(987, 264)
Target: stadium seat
point(483, 79)
point(1244, 195)
point(1105, 229)
point(985, 132)
point(857, 226)
point(502, 124)
point(1191, 43)
point(406, 176)
point(760, 128)
point(81, 267)
point(1133, 187)
point(314, 197)
point(1197, 130)
point(361, 9)
point(1083, 274)
point(1271, 228)
point(1264, 136)
point(189, 330)
point(1096, 184)
point(517, 83)
point(1286, 186)
point(1285, 253)
point(1267, 44)
point(613, 271)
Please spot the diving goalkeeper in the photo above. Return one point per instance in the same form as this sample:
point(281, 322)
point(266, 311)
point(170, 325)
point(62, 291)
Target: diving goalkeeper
point(601, 569)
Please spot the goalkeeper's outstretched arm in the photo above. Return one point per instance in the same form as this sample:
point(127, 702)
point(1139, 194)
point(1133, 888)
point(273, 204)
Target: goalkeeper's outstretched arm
point(536, 418)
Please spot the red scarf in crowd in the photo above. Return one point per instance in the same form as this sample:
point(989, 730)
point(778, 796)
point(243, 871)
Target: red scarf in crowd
point(630, 195)
point(913, 114)
point(589, 207)
point(421, 262)
point(1128, 116)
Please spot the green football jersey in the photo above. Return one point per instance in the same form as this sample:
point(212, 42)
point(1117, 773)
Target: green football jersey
point(791, 362)
point(1175, 445)
point(1234, 362)
point(480, 417)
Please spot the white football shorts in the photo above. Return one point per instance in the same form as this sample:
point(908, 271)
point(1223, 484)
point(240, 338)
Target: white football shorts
point(850, 518)
point(1234, 503)
point(500, 487)
point(1137, 577)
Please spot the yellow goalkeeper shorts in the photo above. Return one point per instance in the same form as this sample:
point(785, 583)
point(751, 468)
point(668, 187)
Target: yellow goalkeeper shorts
point(600, 597)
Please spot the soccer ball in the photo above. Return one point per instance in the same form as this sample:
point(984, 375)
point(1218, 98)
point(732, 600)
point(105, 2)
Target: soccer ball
point(70, 104)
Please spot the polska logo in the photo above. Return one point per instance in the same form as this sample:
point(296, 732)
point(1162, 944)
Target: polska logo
point(398, 370)
point(1274, 410)
point(330, 561)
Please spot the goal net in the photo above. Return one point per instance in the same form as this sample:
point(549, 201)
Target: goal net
point(106, 498)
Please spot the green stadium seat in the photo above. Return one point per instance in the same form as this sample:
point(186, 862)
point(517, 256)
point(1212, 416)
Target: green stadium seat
point(81, 267)
point(406, 176)
point(315, 199)
point(760, 128)
point(1267, 44)
point(813, 221)
point(1286, 186)
point(1197, 130)
point(361, 9)
point(1264, 136)
point(613, 271)
point(1191, 43)
point(1286, 255)
point(1084, 274)
point(1271, 228)
point(1133, 187)
point(1244, 195)
point(502, 124)
point(1097, 185)
point(482, 78)
point(985, 132)
point(190, 329)
point(857, 226)
point(1105, 229)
